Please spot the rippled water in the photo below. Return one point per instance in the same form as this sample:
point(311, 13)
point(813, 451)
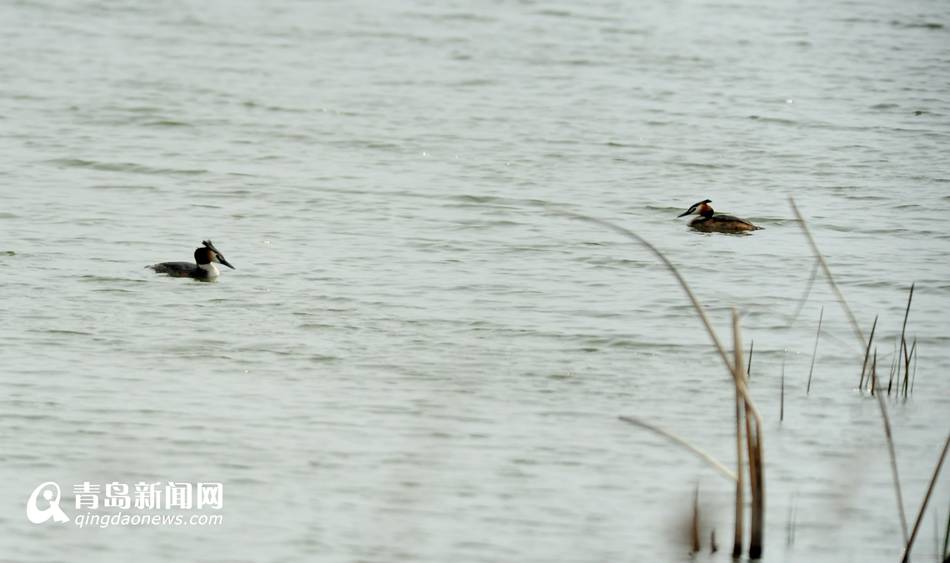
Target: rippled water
point(417, 358)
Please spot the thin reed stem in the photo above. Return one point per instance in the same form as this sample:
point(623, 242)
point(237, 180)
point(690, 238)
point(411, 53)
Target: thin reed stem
point(904, 351)
point(808, 286)
point(893, 455)
point(945, 553)
point(895, 366)
point(814, 352)
point(748, 368)
point(697, 306)
point(867, 352)
point(725, 471)
point(738, 376)
point(910, 357)
point(916, 357)
point(873, 373)
point(824, 266)
point(694, 529)
point(905, 557)
point(781, 408)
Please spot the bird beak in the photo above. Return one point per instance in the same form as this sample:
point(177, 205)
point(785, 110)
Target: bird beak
point(685, 213)
point(222, 260)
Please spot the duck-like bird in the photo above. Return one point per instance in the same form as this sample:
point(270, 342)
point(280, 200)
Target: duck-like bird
point(202, 269)
point(711, 222)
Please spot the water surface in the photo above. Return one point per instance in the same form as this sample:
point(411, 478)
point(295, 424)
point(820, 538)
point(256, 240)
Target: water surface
point(417, 358)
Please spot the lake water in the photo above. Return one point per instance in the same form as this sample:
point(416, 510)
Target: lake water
point(417, 358)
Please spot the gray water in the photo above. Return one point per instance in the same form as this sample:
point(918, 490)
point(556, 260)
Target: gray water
point(417, 358)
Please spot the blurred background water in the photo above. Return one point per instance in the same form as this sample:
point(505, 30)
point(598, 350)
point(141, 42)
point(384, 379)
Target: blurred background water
point(415, 358)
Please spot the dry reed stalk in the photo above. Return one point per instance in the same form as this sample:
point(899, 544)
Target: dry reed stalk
point(739, 537)
point(750, 448)
point(757, 523)
point(905, 557)
point(741, 382)
point(814, 352)
point(867, 352)
point(824, 266)
point(725, 471)
point(739, 379)
point(890, 450)
point(697, 306)
point(754, 447)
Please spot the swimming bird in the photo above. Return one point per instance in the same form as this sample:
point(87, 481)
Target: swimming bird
point(710, 221)
point(203, 269)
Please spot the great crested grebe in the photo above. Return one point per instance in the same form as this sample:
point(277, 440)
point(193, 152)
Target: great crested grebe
point(203, 269)
point(710, 221)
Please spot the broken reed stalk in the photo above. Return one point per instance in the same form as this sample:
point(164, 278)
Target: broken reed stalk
point(893, 455)
point(725, 471)
point(904, 352)
point(814, 352)
point(738, 377)
point(905, 557)
point(867, 352)
point(824, 266)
